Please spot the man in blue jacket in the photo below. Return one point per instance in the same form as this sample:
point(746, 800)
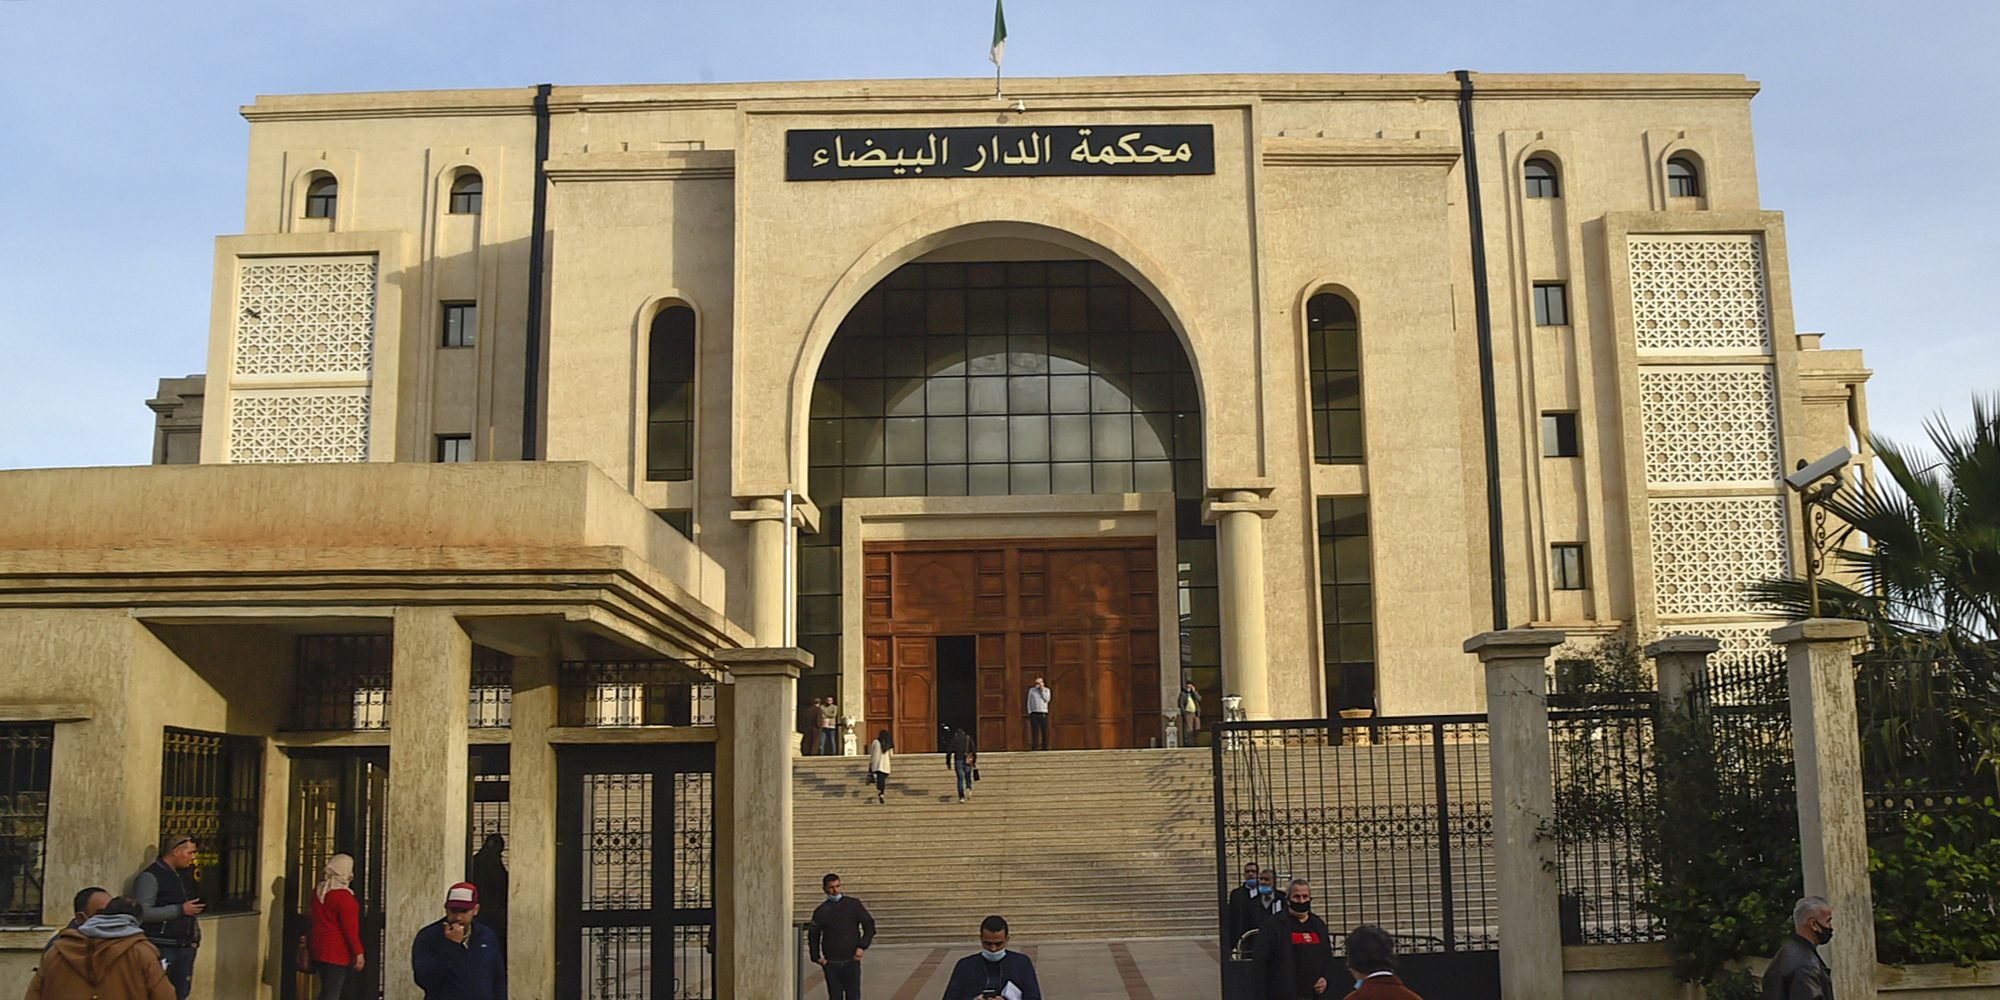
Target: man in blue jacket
point(995, 973)
point(456, 959)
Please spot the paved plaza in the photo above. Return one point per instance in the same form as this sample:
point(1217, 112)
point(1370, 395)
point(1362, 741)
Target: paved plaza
point(1143, 969)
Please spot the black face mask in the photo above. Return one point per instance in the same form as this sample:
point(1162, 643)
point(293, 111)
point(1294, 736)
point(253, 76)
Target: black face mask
point(1298, 907)
point(1824, 935)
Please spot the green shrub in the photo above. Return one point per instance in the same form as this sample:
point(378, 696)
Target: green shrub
point(1937, 886)
point(1735, 984)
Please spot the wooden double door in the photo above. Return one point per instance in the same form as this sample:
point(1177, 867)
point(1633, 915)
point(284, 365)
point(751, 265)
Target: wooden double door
point(956, 631)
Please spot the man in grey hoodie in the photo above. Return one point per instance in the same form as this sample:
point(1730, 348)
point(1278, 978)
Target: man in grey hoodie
point(107, 958)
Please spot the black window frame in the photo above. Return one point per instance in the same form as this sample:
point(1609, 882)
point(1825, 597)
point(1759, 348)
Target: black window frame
point(458, 324)
point(447, 443)
point(1560, 437)
point(1560, 577)
point(1547, 184)
point(673, 365)
point(1344, 563)
point(25, 754)
point(468, 194)
point(1551, 303)
point(322, 197)
point(1686, 184)
point(212, 789)
point(1332, 318)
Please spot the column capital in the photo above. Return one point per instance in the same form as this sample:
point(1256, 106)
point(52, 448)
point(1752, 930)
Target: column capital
point(1820, 630)
point(1668, 645)
point(764, 661)
point(1515, 644)
point(805, 513)
point(1255, 499)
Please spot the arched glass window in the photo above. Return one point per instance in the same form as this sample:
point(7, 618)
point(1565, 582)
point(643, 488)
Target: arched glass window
point(1541, 179)
point(670, 396)
point(1333, 341)
point(322, 195)
point(466, 193)
point(1683, 178)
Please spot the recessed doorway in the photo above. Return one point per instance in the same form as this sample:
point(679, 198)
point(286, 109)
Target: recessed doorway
point(957, 683)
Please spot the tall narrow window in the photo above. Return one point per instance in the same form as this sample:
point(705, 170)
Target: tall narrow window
point(1683, 178)
point(211, 789)
point(1559, 435)
point(24, 819)
point(1541, 179)
point(670, 396)
point(1333, 343)
point(1346, 603)
point(467, 191)
point(454, 448)
point(1551, 304)
point(322, 196)
point(461, 324)
point(1566, 566)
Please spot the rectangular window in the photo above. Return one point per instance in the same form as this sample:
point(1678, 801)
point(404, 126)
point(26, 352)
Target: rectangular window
point(461, 324)
point(1559, 435)
point(1346, 603)
point(1566, 565)
point(212, 789)
point(24, 820)
point(454, 448)
point(1551, 304)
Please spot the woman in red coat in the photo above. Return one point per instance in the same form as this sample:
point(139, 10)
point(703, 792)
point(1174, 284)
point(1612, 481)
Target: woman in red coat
point(336, 927)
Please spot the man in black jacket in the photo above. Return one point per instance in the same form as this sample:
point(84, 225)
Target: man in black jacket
point(1243, 911)
point(455, 958)
point(1796, 971)
point(840, 931)
point(1294, 951)
point(168, 908)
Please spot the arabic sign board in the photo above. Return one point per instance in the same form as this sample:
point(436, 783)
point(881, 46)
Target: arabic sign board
point(1006, 151)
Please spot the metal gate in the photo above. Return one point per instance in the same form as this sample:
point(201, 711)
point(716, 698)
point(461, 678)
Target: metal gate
point(1391, 820)
point(635, 869)
point(339, 802)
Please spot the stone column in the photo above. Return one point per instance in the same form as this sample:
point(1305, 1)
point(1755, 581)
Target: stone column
point(1833, 837)
point(769, 587)
point(1679, 661)
point(1517, 712)
point(757, 910)
point(430, 679)
point(531, 788)
point(1238, 516)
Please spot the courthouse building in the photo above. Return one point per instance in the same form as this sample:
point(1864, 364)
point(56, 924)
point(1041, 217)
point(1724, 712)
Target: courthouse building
point(1283, 385)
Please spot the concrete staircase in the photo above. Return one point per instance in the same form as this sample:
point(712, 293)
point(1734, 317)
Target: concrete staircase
point(1066, 845)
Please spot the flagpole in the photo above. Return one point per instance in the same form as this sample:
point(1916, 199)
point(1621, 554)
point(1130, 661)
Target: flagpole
point(999, 47)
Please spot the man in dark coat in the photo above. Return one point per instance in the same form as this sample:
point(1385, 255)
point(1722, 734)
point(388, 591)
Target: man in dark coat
point(168, 908)
point(457, 959)
point(1244, 913)
point(995, 971)
point(1371, 960)
point(840, 931)
point(1294, 951)
point(1796, 971)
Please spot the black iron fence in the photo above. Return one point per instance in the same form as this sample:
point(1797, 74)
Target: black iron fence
point(608, 693)
point(24, 820)
point(1601, 749)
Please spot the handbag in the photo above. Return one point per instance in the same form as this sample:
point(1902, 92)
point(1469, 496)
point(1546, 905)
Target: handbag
point(302, 958)
point(975, 774)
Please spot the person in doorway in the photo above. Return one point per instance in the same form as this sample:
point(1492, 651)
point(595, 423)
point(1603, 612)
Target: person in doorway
point(881, 758)
point(334, 922)
point(88, 903)
point(1797, 972)
point(1294, 952)
point(829, 729)
point(168, 908)
point(841, 930)
point(995, 973)
point(489, 873)
point(1371, 960)
point(810, 726)
point(107, 957)
point(1189, 705)
point(1038, 715)
point(961, 754)
point(456, 958)
point(1244, 912)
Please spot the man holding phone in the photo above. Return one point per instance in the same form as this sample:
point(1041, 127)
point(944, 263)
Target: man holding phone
point(168, 908)
point(994, 973)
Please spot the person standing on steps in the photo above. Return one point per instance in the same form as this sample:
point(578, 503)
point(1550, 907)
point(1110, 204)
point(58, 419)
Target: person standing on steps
point(881, 754)
point(961, 754)
point(1038, 715)
point(829, 730)
point(1190, 709)
point(168, 908)
point(841, 930)
point(995, 971)
point(1294, 952)
point(809, 727)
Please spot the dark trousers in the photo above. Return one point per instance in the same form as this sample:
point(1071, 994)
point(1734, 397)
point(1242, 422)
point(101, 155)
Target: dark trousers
point(881, 782)
point(180, 968)
point(843, 981)
point(1038, 730)
point(332, 979)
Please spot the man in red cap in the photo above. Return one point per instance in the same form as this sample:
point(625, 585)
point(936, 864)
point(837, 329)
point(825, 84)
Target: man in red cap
point(457, 959)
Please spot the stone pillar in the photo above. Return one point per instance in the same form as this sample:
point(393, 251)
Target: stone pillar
point(1238, 516)
point(770, 589)
point(430, 679)
point(1517, 712)
point(531, 787)
point(1833, 837)
point(1679, 661)
point(757, 909)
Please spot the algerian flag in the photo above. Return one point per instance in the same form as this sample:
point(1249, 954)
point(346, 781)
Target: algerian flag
point(999, 35)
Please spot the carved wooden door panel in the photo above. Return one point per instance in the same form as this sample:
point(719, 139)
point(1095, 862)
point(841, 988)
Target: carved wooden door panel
point(1111, 689)
point(1069, 703)
point(997, 728)
point(916, 694)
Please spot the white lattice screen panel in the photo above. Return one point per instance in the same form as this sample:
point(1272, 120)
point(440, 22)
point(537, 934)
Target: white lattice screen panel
point(299, 426)
point(1709, 425)
point(1706, 550)
point(305, 317)
point(1700, 294)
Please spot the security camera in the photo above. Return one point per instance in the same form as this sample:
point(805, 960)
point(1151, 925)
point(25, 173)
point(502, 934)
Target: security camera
point(1827, 467)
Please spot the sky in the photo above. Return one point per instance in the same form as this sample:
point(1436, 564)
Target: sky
point(122, 154)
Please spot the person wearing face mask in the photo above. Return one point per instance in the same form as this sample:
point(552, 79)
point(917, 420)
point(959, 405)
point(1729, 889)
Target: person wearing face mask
point(1294, 952)
point(995, 973)
point(1371, 960)
point(1270, 902)
point(1245, 913)
point(1796, 971)
point(840, 931)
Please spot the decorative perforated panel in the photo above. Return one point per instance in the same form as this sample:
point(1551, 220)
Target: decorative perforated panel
point(305, 316)
point(1700, 294)
point(1743, 646)
point(1709, 425)
point(1707, 549)
point(328, 425)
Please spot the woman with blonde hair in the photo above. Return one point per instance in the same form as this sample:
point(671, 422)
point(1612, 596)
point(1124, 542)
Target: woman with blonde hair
point(336, 927)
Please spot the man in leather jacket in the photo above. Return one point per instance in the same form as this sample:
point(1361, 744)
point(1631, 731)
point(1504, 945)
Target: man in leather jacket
point(1797, 972)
